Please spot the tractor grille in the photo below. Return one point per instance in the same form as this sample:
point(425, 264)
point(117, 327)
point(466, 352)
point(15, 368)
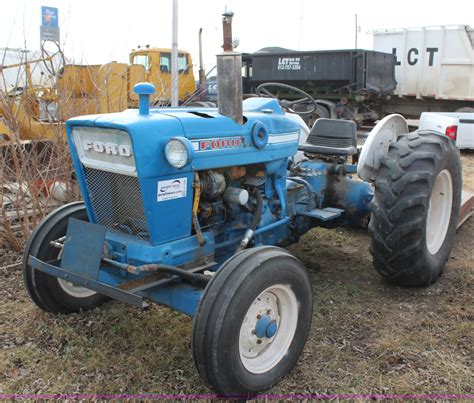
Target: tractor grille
point(117, 202)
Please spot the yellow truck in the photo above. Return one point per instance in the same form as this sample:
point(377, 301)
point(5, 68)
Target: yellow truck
point(38, 112)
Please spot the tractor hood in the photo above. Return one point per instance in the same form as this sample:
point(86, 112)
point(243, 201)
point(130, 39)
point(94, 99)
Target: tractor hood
point(120, 159)
point(216, 140)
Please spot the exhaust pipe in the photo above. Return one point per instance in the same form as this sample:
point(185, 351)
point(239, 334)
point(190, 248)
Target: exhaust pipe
point(229, 75)
point(202, 73)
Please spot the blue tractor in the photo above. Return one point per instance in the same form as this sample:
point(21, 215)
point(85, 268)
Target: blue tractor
point(190, 208)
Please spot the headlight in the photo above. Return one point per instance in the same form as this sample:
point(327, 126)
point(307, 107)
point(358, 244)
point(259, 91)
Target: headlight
point(178, 152)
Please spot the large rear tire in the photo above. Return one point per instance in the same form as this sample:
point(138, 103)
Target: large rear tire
point(415, 208)
point(252, 321)
point(47, 292)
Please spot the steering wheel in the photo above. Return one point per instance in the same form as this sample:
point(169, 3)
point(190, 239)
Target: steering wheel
point(262, 90)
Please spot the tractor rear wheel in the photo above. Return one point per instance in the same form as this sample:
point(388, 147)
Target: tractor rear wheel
point(49, 293)
point(415, 208)
point(252, 321)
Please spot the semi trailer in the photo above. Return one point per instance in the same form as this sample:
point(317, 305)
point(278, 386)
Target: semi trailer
point(434, 68)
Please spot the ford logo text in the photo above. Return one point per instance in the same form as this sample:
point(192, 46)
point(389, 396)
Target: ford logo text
point(108, 148)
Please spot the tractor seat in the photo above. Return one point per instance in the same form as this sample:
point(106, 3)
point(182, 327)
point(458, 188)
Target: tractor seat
point(331, 137)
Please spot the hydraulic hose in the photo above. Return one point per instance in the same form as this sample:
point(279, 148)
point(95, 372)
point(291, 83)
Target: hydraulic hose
point(197, 195)
point(163, 268)
point(256, 219)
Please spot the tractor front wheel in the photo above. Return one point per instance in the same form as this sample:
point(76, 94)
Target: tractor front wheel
point(415, 208)
point(252, 321)
point(50, 293)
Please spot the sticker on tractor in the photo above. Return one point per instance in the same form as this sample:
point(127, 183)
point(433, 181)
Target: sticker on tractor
point(172, 189)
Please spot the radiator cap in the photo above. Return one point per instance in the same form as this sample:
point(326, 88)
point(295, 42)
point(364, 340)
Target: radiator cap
point(144, 90)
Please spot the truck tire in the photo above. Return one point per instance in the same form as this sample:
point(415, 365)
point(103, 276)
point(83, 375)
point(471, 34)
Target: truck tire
point(47, 292)
point(252, 321)
point(320, 112)
point(415, 208)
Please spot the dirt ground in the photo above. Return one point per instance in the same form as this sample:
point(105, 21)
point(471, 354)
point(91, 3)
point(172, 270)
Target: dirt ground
point(366, 336)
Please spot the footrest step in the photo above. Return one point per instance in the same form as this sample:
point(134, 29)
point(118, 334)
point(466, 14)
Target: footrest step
point(324, 214)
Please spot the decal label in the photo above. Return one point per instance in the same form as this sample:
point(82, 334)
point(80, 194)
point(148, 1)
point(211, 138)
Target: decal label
point(171, 189)
point(289, 63)
point(218, 143)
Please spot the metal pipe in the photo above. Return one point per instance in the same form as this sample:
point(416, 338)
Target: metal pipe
point(256, 218)
point(227, 29)
point(271, 226)
point(229, 76)
point(8, 66)
point(202, 73)
point(225, 244)
point(258, 231)
point(356, 29)
point(281, 197)
point(58, 243)
point(342, 169)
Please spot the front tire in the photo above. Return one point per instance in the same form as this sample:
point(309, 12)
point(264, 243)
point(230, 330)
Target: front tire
point(415, 208)
point(49, 293)
point(252, 321)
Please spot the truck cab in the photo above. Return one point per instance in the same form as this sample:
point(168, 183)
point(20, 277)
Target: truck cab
point(156, 63)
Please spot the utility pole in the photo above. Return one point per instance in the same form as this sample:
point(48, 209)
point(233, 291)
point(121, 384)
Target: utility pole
point(356, 29)
point(174, 57)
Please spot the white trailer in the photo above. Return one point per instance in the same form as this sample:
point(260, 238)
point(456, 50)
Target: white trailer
point(434, 68)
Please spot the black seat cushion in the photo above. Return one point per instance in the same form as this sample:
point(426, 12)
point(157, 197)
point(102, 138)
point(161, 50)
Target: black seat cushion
point(331, 137)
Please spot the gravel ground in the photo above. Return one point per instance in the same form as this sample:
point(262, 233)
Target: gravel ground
point(366, 336)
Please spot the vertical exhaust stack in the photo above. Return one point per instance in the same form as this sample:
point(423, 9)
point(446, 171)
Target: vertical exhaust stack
point(229, 75)
point(202, 73)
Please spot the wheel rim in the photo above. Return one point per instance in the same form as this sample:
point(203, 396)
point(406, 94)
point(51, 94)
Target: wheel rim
point(74, 290)
point(439, 211)
point(71, 289)
point(275, 313)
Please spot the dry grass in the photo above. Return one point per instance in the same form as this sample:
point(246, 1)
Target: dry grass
point(366, 337)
